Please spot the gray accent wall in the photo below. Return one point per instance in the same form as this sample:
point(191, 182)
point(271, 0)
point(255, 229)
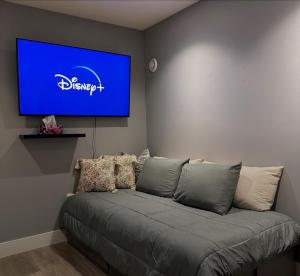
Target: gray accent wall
point(35, 175)
point(228, 87)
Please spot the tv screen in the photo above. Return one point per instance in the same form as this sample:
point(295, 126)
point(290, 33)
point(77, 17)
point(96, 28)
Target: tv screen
point(63, 80)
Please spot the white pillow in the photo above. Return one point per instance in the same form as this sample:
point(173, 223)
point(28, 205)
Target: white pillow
point(257, 187)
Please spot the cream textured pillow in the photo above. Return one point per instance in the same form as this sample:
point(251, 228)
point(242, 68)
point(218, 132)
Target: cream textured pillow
point(97, 175)
point(257, 187)
point(125, 171)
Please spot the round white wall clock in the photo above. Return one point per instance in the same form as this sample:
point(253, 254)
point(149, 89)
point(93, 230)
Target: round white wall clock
point(153, 65)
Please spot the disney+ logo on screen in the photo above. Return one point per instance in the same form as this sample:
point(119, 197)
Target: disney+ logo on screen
point(73, 83)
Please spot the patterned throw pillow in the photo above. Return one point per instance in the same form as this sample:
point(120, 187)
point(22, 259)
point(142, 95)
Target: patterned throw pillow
point(140, 162)
point(125, 165)
point(125, 169)
point(97, 175)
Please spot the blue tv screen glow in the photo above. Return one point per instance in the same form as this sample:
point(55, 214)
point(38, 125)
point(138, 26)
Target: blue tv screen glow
point(63, 80)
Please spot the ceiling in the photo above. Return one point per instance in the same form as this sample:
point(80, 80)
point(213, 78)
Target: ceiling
point(137, 14)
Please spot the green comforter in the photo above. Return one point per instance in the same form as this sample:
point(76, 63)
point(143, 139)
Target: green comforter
point(145, 235)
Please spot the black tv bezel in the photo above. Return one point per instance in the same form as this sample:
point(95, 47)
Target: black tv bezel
point(72, 115)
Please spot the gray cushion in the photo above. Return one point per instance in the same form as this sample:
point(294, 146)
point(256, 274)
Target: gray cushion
point(208, 186)
point(160, 176)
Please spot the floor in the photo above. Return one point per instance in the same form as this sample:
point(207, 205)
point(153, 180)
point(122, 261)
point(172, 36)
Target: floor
point(57, 260)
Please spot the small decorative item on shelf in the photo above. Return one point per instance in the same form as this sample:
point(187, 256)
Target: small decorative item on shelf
point(49, 126)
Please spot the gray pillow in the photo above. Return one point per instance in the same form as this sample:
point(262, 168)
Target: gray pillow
point(208, 186)
point(160, 176)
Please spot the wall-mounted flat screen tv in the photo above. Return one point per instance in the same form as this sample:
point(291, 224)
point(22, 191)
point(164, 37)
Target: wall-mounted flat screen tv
point(70, 81)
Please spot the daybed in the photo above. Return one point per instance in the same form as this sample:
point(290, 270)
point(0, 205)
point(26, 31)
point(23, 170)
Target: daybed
point(139, 234)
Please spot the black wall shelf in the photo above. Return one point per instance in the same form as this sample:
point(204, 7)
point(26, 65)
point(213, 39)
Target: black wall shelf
point(43, 136)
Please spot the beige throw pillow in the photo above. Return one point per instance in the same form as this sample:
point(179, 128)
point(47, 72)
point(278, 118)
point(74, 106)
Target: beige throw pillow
point(257, 187)
point(125, 169)
point(97, 175)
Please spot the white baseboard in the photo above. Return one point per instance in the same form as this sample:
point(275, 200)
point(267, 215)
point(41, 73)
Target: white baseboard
point(31, 242)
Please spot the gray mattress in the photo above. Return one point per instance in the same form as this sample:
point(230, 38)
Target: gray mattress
point(145, 235)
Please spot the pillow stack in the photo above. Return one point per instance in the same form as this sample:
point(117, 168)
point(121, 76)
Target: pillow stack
point(196, 183)
point(210, 186)
point(125, 170)
point(107, 173)
point(110, 172)
point(257, 187)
